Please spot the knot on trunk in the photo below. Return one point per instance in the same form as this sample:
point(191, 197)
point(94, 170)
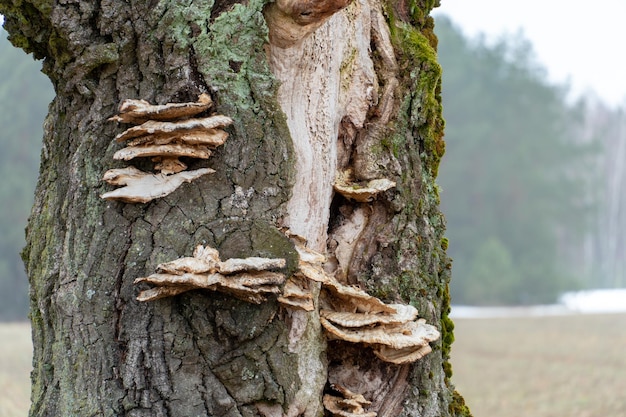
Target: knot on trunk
point(291, 21)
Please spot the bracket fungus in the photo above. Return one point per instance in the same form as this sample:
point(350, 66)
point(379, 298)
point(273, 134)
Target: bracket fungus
point(349, 404)
point(350, 314)
point(360, 192)
point(346, 312)
point(354, 316)
point(297, 293)
point(139, 111)
point(141, 187)
point(397, 343)
point(249, 279)
point(164, 133)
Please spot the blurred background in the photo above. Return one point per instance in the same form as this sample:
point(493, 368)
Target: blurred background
point(533, 180)
point(533, 188)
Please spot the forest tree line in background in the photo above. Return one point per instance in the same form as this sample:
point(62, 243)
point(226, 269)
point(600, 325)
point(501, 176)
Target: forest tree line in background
point(24, 97)
point(532, 187)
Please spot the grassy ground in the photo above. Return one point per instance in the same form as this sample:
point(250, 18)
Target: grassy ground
point(15, 367)
point(572, 366)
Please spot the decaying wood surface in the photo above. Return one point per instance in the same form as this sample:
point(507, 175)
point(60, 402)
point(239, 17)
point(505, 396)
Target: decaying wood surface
point(329, 90)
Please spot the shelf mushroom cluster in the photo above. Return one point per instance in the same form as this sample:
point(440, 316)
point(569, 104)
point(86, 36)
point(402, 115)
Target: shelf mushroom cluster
point(249, 279)
point(164, 133)
point(348, 313)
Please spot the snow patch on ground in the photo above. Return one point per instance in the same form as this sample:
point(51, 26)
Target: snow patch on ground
point(595, 301)
point(580, 302)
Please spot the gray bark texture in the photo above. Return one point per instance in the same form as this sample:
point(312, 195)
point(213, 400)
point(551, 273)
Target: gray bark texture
point(100, 352)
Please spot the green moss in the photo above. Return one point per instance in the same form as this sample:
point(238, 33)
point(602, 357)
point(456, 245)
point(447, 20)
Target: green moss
point(269, 242)
point(415, 44)
point(26, 24)
point(58, 48)
point(447, 332)
point(424, 71)
point(97, 55)
point(457, 407)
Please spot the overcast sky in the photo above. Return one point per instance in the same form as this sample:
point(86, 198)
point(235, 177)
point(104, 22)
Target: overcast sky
point(583, 42)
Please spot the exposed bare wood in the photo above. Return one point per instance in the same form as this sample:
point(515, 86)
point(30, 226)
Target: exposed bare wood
point(325, 77)
point(384, 383)
point(291, 21)
point(344, 238)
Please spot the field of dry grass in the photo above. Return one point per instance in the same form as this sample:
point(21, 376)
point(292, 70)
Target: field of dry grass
point(571, 366)
point(15, 367)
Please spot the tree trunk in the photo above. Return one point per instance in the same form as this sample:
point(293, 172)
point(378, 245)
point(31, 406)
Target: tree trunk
point(314, 88)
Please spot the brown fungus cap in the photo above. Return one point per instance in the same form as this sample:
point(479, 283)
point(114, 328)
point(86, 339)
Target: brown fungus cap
point(403, 314)
point(412, 334)
point(142, 187)
point(297, 294)
point(165, 133)
point(154, 127)
point(361, 192)
point(248, 279)
point(346, 403)
point(401, 356)
point(139, 111)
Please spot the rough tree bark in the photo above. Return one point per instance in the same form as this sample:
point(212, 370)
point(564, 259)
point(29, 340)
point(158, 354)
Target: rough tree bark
point(314, 88)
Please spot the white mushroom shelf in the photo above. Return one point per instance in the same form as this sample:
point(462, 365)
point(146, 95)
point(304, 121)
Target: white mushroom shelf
point(164, 133)
point(249, 279)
